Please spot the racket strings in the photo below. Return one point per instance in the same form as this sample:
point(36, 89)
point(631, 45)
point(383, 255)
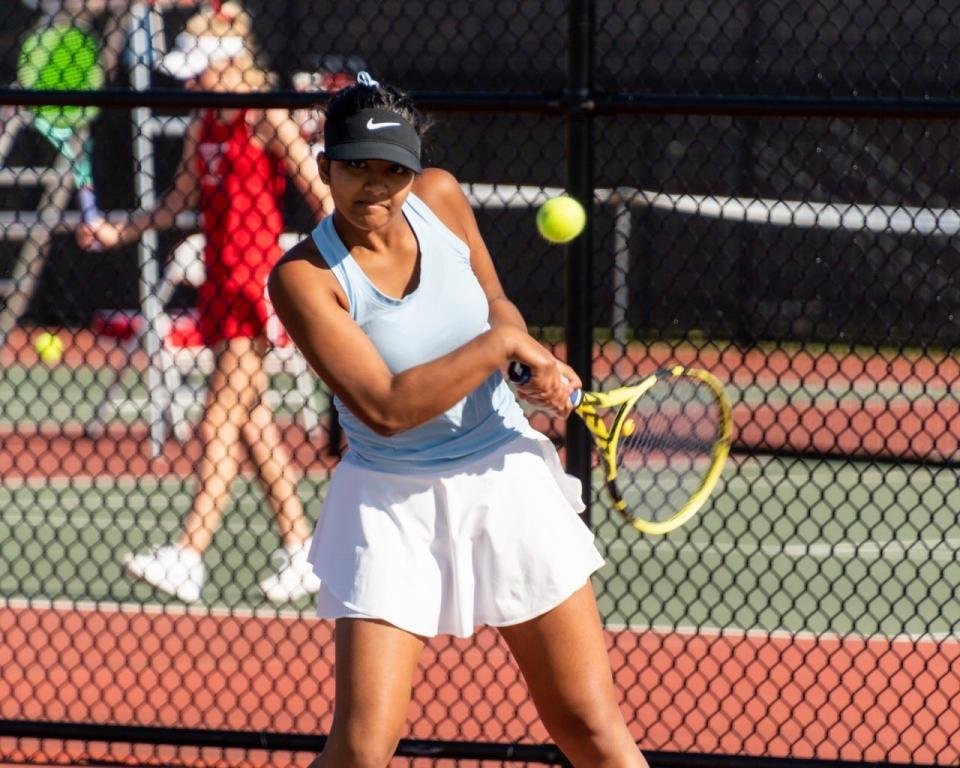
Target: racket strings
point(666, 447)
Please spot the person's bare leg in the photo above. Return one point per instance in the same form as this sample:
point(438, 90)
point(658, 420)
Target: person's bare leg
point(563, 657)
point(276, 473)
point(375, 664)
point(230, 399)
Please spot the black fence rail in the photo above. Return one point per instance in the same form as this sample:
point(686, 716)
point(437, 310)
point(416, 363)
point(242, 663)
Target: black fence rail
point(771, 196)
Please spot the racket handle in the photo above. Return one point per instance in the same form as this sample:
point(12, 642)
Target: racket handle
point(520, 374)
point(89, 211)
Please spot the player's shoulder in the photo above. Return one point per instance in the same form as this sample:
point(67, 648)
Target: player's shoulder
point(302, 273)
point(302, 277)
point(436, 182)
point(441, 192)
point(305, 252)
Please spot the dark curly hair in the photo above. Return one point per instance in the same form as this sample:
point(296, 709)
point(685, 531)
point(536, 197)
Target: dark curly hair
point(359, 96)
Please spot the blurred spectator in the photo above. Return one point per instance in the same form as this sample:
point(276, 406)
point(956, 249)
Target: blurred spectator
point(114, 29)
point(232, 168)
point(330, 73)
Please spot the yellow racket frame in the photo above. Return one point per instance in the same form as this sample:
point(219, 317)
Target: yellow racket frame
point(589, 409)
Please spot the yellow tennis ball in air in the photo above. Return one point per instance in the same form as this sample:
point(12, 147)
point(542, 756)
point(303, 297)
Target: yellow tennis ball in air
point(49, 348)
point(628, 428)
point(561, 219)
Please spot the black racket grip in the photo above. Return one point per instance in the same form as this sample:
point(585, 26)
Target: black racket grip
point(520, 374)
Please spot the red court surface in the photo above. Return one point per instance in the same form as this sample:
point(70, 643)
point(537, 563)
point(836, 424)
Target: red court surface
point(915, 417)
point(811, 366)
point(723, 692)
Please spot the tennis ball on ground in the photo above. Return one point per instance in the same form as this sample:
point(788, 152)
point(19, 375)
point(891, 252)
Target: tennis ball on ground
point(561, 219)
point(49, 348)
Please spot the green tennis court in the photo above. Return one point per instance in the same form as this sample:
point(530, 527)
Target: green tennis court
point(799, 545)
point(57, 396)
point(788, 544)
point(63, 539)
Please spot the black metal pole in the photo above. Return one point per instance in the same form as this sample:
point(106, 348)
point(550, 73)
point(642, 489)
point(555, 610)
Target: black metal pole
point(500, 102)
point(580, 183)
point(541, 754)
point(746, 322)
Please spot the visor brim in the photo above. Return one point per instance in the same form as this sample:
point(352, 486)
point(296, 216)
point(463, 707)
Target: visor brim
point(375, 150)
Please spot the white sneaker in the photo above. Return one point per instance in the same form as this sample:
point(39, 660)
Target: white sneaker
point(171, 569)
point(295, 577)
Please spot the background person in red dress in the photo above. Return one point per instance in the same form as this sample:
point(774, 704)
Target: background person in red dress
point(234, 166)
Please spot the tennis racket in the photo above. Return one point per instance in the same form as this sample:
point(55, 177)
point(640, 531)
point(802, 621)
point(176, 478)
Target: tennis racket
point(63, 57)
point(663, 442)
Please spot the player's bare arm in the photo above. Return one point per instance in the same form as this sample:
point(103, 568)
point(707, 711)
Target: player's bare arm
point(309, 301)
point(183, 195)
point(552, 379)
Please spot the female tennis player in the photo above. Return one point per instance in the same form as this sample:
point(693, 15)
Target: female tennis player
point(448, 510)
point(233, 168)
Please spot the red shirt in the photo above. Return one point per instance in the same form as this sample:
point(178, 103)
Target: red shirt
point(241, 184)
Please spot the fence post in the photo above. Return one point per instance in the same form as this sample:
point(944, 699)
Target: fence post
point(580, 184)
point(141, 45)
point(623, 222)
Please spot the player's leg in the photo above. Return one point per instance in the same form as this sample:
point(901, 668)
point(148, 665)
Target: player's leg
point(276, 474)
point(375, 664)
point(267, 451)
point(232, 394)
point(178, 568)
point(294, 577)
point(563, 657)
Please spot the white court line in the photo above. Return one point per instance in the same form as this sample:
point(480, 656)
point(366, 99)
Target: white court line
point(761, 468)
point(84, 482)
point(151, 483)
point(144, 520)
point(752, 470)
point(939, 639)
point(178, 609)
point(153, 609)
point(920, 550)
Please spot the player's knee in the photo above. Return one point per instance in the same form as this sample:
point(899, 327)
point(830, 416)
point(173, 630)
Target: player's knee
point(366, 754)
point(362, 747)
point(582, 726)
point(252, 432)
point(590, 725)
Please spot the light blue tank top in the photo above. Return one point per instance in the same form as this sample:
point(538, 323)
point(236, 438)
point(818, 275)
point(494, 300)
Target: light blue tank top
point(447, 309)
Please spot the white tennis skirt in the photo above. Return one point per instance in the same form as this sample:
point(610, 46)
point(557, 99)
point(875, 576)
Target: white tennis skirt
point(495, 541)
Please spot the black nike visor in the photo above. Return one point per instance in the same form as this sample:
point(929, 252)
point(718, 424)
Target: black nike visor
point(373, 134)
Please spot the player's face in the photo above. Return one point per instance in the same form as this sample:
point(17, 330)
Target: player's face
point(223, 77)
point(368, 193)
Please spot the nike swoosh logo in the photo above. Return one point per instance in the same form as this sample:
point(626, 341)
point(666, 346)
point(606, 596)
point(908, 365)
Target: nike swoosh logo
point(372, 126)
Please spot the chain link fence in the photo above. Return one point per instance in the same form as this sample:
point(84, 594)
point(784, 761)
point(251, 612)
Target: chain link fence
point(772, 192)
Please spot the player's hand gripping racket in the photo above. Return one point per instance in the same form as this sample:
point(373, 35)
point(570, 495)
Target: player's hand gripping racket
point(663, 442)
